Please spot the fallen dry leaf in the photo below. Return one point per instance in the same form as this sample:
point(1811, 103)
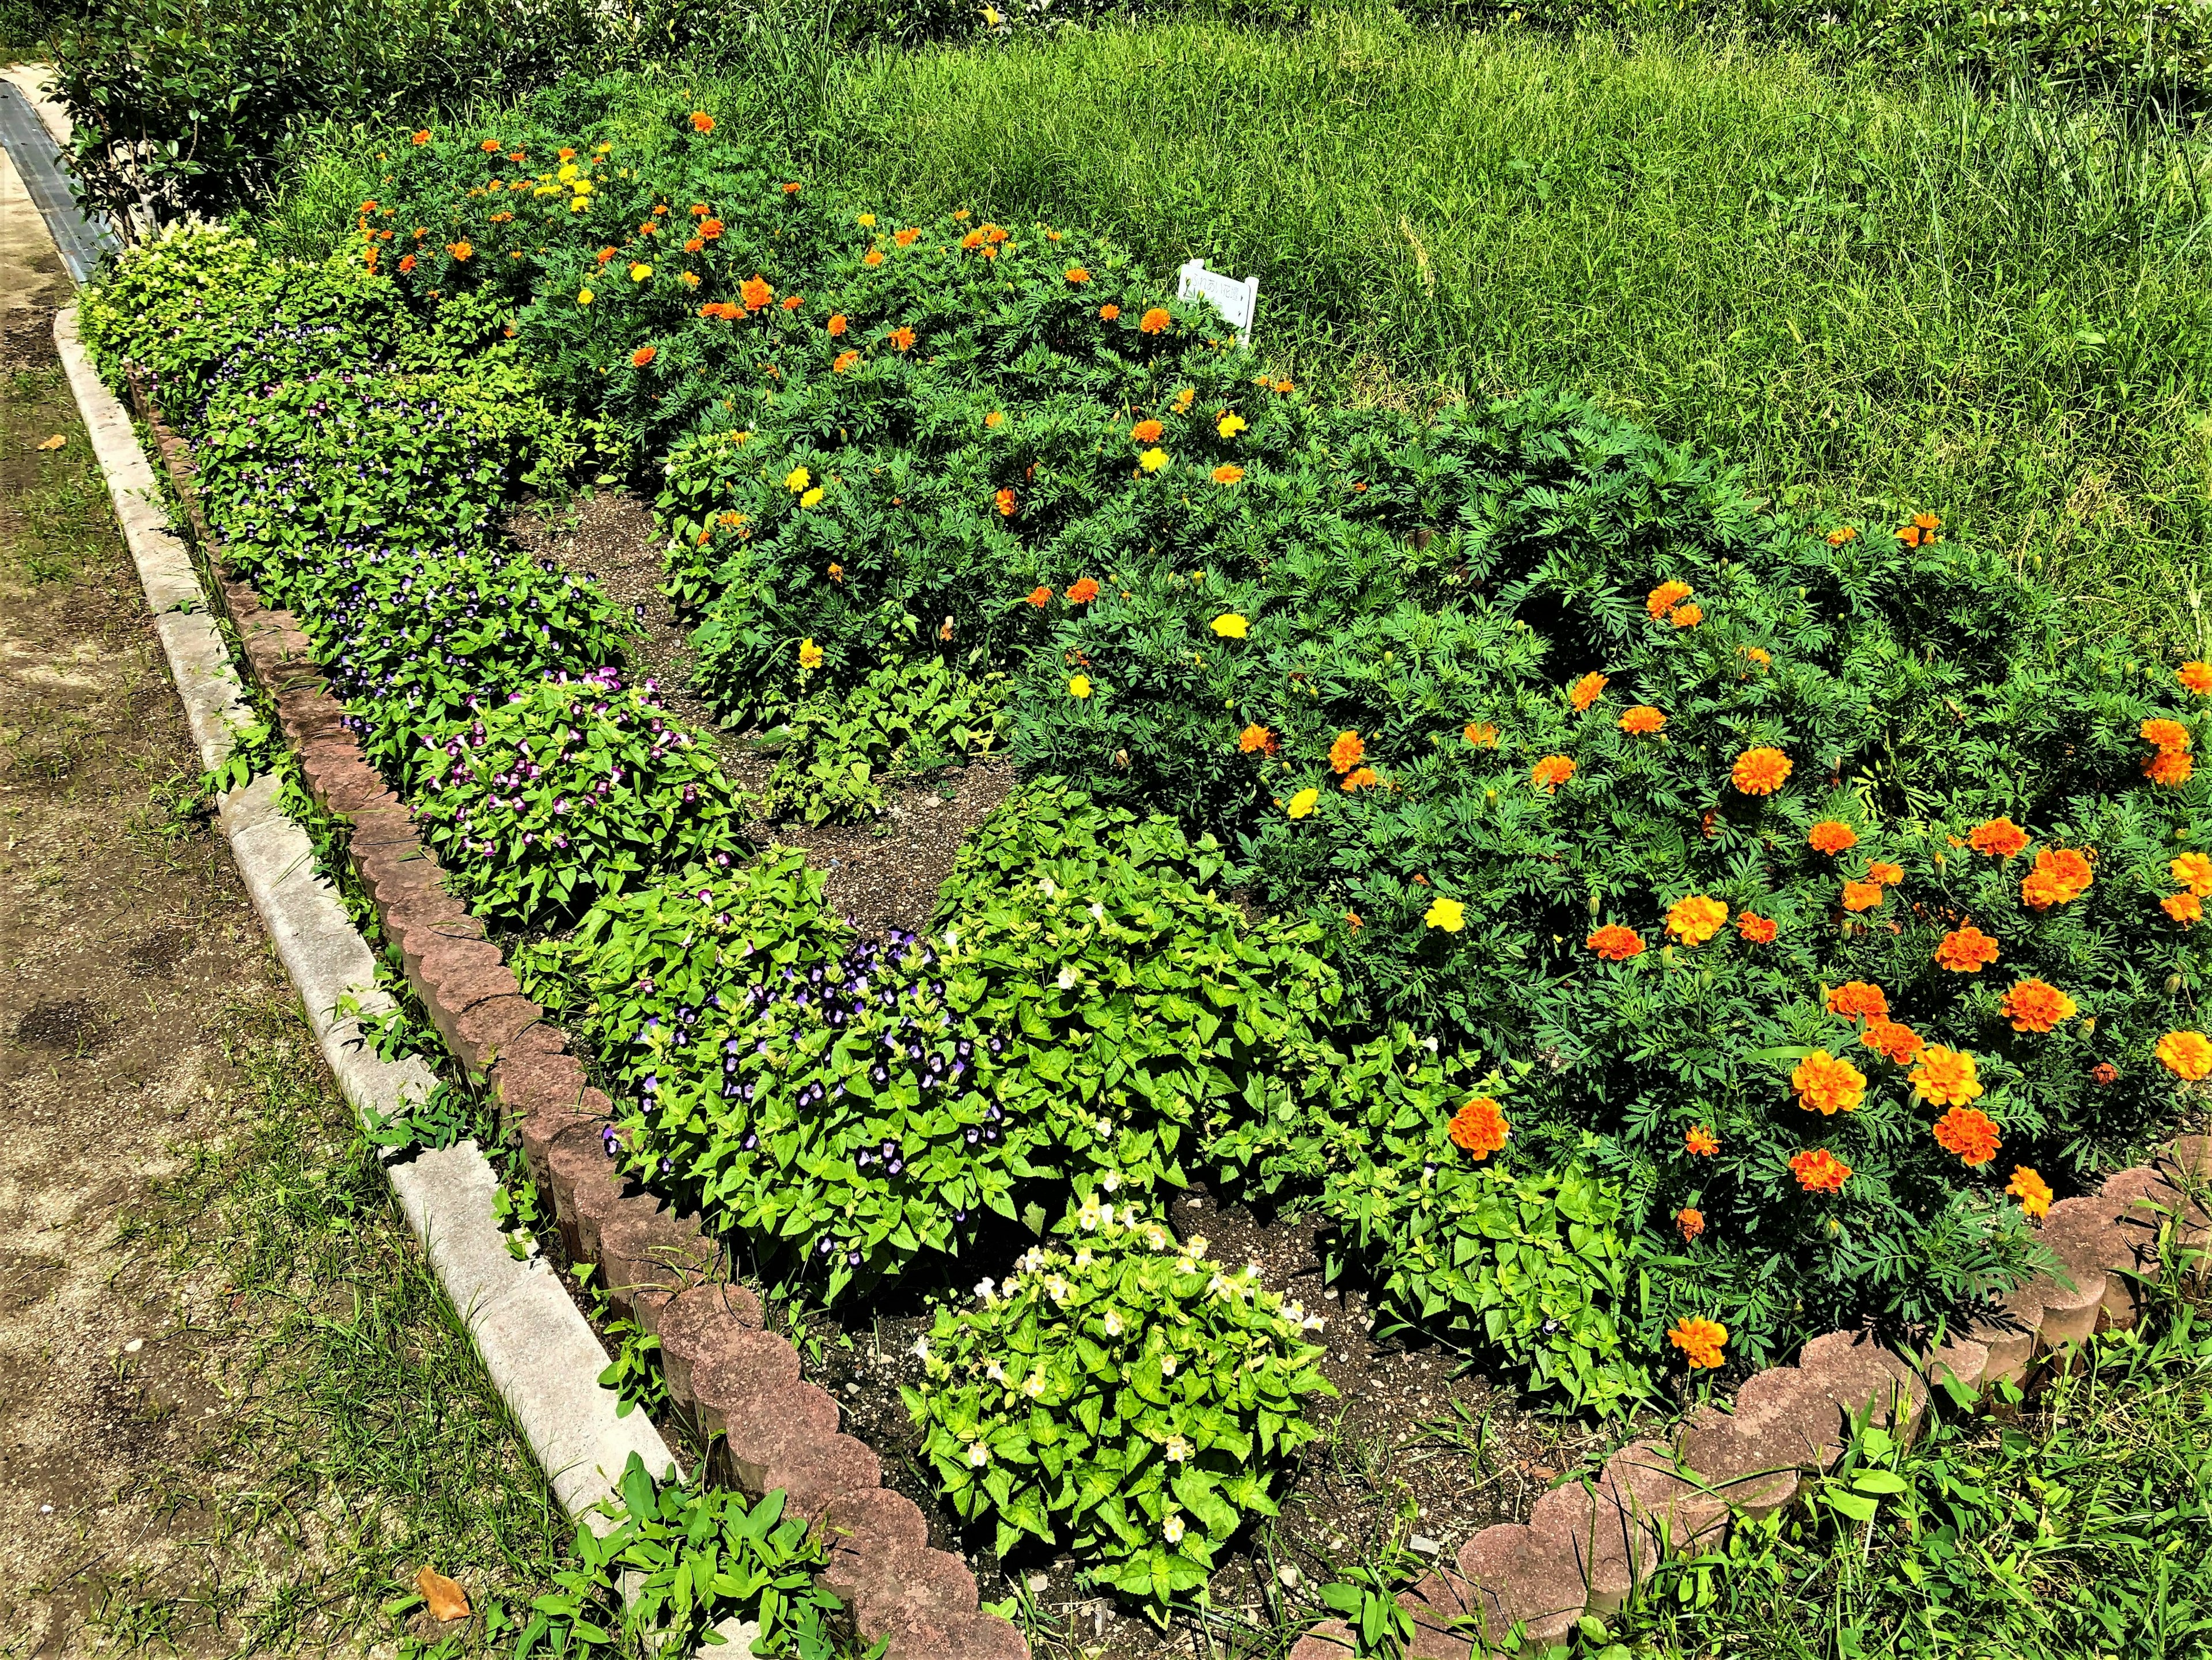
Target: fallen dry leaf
point(54, 442)
point(447, 1600)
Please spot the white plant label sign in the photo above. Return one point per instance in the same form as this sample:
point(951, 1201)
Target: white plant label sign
point(1238, 302)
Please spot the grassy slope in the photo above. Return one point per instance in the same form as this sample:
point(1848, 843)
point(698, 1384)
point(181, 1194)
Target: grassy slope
point(1875, 295)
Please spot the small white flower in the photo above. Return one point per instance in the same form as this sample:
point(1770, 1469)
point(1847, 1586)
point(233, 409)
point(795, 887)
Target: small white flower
point(1184, 1264)
point(1177, 1449)
point(1219, 1286)
point(921, 1348)
point(1097, 911)
point(1294, 1311)
point(1057, 1288)
point(1197, 1246)
point(1013, 1284)
point(1167, 1365)
point(1050, 891)
point(1156, 1238)
point(1251, 1270)
point(1112, 1180)
point(1113, 1323)
point(1314, 1323)
point(978, 1454)
point(1087, 1218)
point(1171, 1528)
point(1084, 1259)
point(1105, 1130)
point(951, 938)
point(1431, 1046)
point(1031, 1260)
point(1105, 1216)
point(1033, 1386)
point(1066, 979)
point(995, 1373)
point(983, 1289)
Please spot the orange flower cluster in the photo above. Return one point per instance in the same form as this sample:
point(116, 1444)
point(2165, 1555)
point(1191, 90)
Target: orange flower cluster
point(1760, 771)
point(1697, 919)
point(1347, 751)
point(1892, 1041)
point(1690, 1222)
point(1998, 839)
point(1686, 616)
point(1004, 501)
point(1154, 321)
point(2194, 872)
point(1966, 951)
point(1700, 1341)
point(1827, 1085)
point(1862, 895)
point(843, 360)
point(902, 339)
point(701, 122)
point(2186, 1055)
point(1971, 1134)
point(642, 356)
point(1641, 720)
point(1360, 778)
point(2031, 1189)
point(2197, 677)
point(1586, 690)
point(1481, 733)
point(1856, 998)
point(1040, 596)
point(1700, 1141)
point(1615, 944)
point(2061, 876)
point(1945, 1077)
point(1921, 531)
point(2183, 907)
point(2036, 1006)
point(1832, 835)
point(1551, 771)
point(1228, 473)
point(1759, 930)
point(1083, 591)
point(1819, 1171)
point(1664, 597)
point(1479, 1127)
point(1885, 875)
point(2170, 764)
point(1256, 739)
point(1146, 432)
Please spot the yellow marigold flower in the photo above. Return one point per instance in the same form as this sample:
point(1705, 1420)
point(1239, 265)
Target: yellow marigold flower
point(584, 296)
point(2186, 1055)
point(640, 270)
point(1479, 733)
point(1449, 914)
point(1078, 685)
point(1700, 1340)
point(1304, 803)
point(1697, 919)
point(1945, 1077)
point(796, 480)
point(810, 654)
point(812, 498)
point(1230, 425)
point(1230, 626)
point(2031, 1189)
point(2194, 872)
point(1152, 460)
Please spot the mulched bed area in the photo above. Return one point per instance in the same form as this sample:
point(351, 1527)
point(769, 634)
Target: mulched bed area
point(1420, 1444)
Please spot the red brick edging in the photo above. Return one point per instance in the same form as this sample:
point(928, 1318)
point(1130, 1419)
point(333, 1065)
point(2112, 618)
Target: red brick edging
point(726, 1375)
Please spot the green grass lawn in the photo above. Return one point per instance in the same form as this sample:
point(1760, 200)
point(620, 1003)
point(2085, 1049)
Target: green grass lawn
point(1876, 294)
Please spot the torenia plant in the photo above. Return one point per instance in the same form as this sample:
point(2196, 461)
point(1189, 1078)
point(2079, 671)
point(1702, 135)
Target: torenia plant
point(1121, 1392)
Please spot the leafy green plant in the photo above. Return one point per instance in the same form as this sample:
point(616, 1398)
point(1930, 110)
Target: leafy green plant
point(905, 719)
point(442, 1118)
point(1121, 1394)
point(679, 1559)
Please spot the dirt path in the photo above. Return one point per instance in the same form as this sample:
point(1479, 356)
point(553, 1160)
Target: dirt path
point(232, 1401)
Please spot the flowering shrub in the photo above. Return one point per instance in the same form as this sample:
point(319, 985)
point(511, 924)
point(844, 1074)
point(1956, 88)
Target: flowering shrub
point(566, 791)
point(1121, 1394)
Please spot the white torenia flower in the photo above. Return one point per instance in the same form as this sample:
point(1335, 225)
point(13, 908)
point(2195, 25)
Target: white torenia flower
point(1057, 1288)
point(1113, 1322)
point(1177, 1449)
point(978, 1454)
point(1066, 979)
point(1097, 911)
point(995, 1373)
point(1084, 1259)
point(1156, 1238)
point(984, 1287)
point(1087, 1218)
point(1050, 891)
point(921, 1348)
point(1033, 1386)
point(1167, 1365)
point(1112, 1180)
point(1171, 1528)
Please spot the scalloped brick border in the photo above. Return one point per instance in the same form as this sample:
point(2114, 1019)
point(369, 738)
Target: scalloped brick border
point(1585, 1548)
point(725, 1374)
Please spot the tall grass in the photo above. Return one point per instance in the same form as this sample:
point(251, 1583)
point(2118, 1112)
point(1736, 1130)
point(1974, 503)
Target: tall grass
point(1876, 294)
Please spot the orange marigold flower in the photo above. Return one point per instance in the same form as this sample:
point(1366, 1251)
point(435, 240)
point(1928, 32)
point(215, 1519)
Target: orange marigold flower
point(1642, 720)
point(1700, 1340)
point(1893, 1042)
point(1082, 591)
point(1966, 951)
point(2061, 876)
point(1969, 1132)
point(793, 188)
point(1586, 690)
point(836, 323)
point(1827, 1085)
point(1756, 655)
point(2186, 1055)
point(1855, 998)
point(2183, 907)
point(461, 251)
point(1615, 943)
point(1004, 501)
point(1664, 597)
point(1077, 275)
point(1479, 1127)
point(693, 244)
point(1832, 835)
point(2169, 767)
point(701, 122)
point(902, 339)
point(756, 293)
point(1146, 432)
point(1040, 596)
point(1110, 311)
point(1227, 473)
point(1360, 778)
point(2104, 1075)
point(1256, 739)
point(1841, 534)
point(1700, 1141)
point(488, 146)
point(1920, 532)
point(1759, 930)
point(1686, 616)
point(1552, 771)
point(1885, 875)
point(844, 360)
point(2194, 872)
point(1760, 771)
point(1862, 895)
point(1346, 753)
point(2197, 677)
point(643, 356)
point(423, 137)
point(709, 228)
point(1946, 1078)
point(1154, 321)
point(2166, 734)
point(1819, 1171)
point(1479, 733)
point(2036, 1006)
point(906, 238)
point(406, 262)
point(1690, 1223)
point(2032, 1190)
point(1697, 919)
point(837, 572)
point(1998, 839)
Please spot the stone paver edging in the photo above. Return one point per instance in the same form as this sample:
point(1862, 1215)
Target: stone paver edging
point(728, 1377)
point(1586, 1546)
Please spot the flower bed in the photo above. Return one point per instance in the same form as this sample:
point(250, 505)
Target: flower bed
point(1659, 921)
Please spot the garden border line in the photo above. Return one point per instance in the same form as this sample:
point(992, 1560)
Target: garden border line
point(725, 1373)
point(541, 1354)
